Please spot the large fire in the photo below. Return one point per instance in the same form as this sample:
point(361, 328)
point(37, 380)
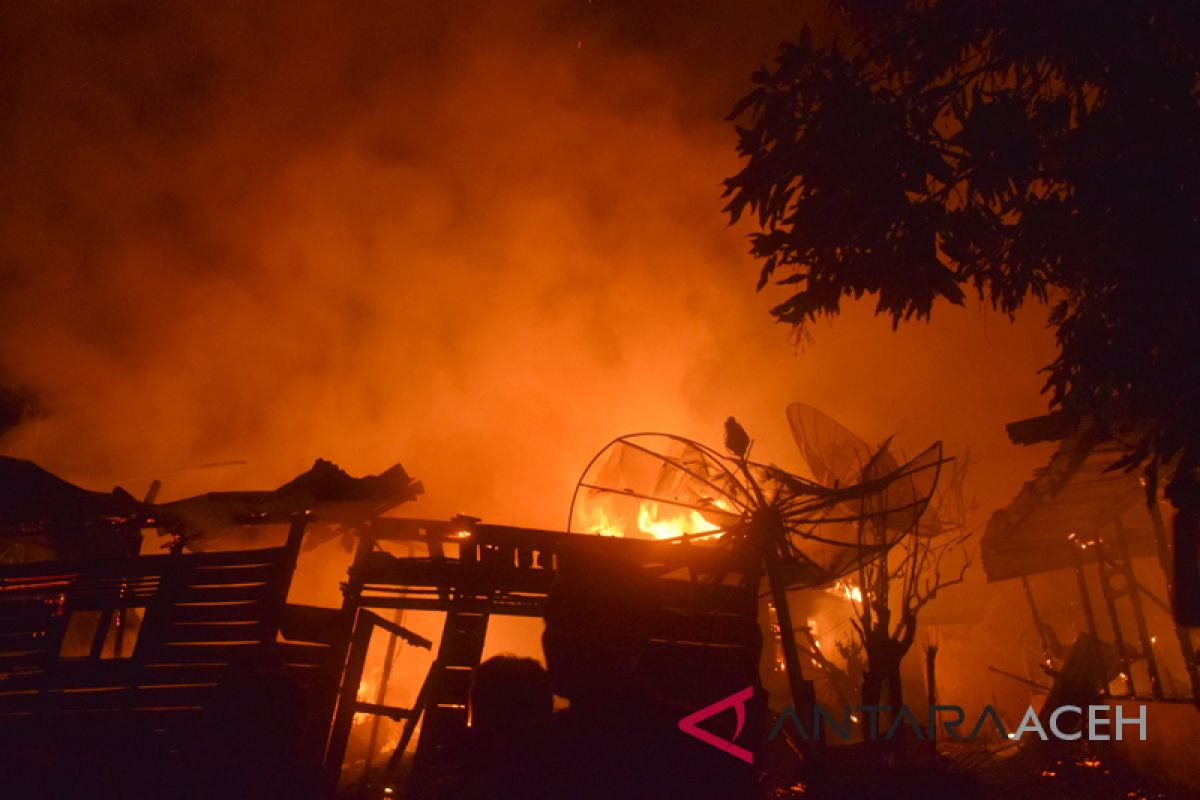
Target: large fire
point(652, 521)
point(657, 522)
point(603, 525)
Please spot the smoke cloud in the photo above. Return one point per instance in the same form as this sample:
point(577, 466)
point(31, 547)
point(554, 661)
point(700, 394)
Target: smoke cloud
point(479, 239)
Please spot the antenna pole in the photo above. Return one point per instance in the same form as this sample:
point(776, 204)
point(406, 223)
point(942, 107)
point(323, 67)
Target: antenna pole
point(770, 534)
point(803, 695)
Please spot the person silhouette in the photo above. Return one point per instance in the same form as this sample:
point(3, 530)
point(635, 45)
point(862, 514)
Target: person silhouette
point(617, 737)
point(508, 694)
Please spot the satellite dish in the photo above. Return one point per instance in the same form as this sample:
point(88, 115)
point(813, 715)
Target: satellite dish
point(803, 533)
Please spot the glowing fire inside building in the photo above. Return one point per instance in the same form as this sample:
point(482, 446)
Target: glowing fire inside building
point(599, 399)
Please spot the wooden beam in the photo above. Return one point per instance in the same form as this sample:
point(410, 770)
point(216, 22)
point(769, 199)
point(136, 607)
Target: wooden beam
point(1139, 615)
point(1085, 596)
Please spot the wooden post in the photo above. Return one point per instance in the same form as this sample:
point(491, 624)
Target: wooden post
point(1139, 616)
point(349, 658)
point(804, 698)
point(1037, 618)
point(1110, 603)
point(343, 718)
point(272, 612)
point(389, 657)
point(1084, 595)
point(931, 687)
point(410, 725)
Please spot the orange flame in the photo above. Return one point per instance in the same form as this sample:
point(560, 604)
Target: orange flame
point(846, 591)
point(684, 522)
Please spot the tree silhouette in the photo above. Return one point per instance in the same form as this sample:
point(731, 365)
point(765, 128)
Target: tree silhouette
point(892, 592)
point(1046, 150)
point(895, 588)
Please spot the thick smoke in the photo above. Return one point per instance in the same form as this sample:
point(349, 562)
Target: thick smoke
point(477, 243)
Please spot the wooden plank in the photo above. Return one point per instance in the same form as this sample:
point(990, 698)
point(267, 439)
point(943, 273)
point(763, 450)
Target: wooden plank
point(731, 600)
point(42, 577)
point(175, 674)
point(20, 650)
point(399, 631)
point(269, 555)
point(93, 700)
point(90, 699)
point(116, 586)
point(278, 556)
point(28, 681)
point(307, 674)
point(382, 567)
point(14, 695)
point(179, 696)
point(234, 574)
point(29, 628)
point(530, 607)
point(19, 703)
point(133, 567)
point(91, 673)
point(23, 658)
point(198, 632)
point(121, 703)
point(200, 653)
point(176, 718)
point(82, 727)
point(343, 719)
point(469, 578)
point(703, 596)
point(711, 629)
point(392, 712)
point(215, 612)
point(212, 594)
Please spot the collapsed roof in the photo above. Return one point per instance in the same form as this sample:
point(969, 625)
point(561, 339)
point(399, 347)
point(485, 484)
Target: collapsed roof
point(1077, 492)
point(43, 516)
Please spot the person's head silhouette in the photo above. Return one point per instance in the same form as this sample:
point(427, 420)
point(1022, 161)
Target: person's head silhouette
point(508, 692)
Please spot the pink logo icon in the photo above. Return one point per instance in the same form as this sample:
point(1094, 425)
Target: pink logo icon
point(736, 701)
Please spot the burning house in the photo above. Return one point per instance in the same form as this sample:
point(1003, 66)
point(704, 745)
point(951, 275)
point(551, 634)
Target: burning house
point(1091, 541)
point(126, 666)
point(147, 647)
point(200, 663)
point(489, 238)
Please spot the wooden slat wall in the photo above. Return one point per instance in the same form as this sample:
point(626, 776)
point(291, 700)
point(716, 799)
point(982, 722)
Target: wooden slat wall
point(199, 613)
